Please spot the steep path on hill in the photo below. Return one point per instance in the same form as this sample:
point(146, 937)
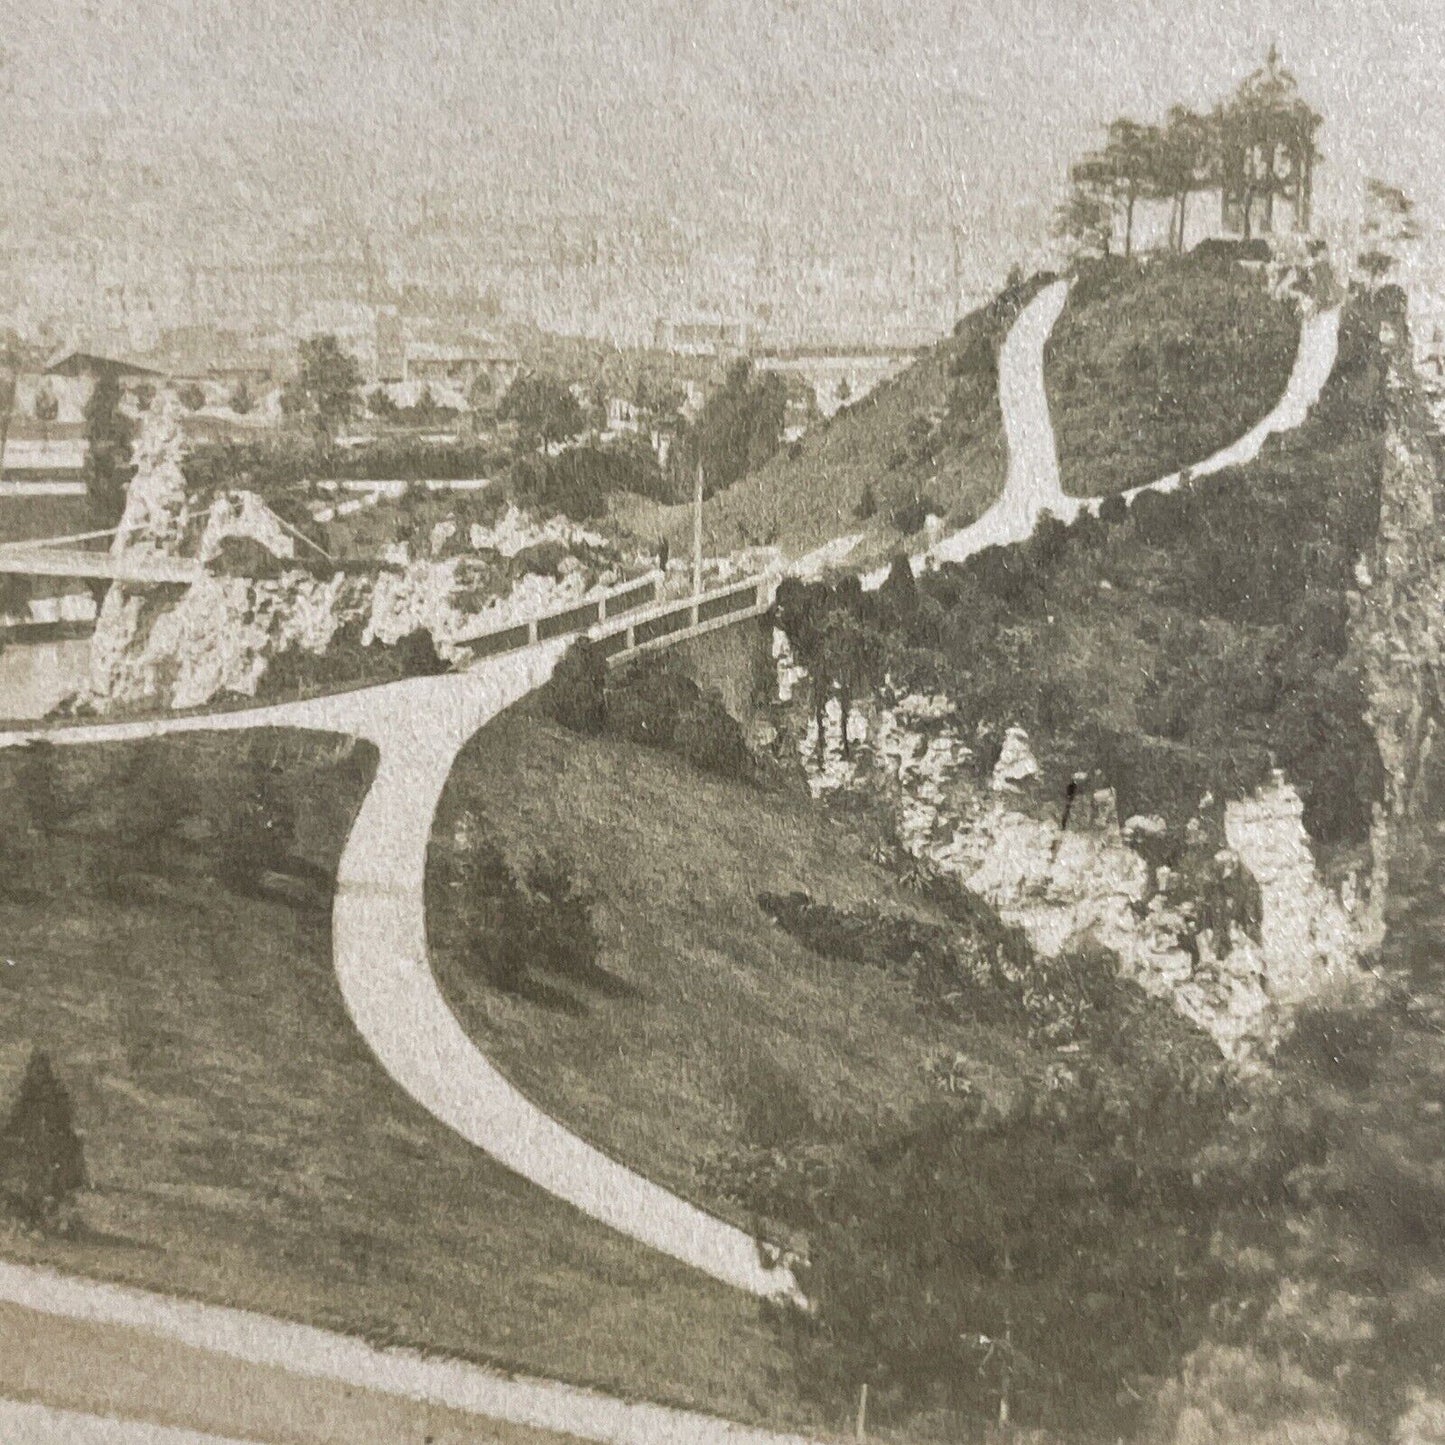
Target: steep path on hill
point(380, 952)
point(1032, 486)
point(1314, 360)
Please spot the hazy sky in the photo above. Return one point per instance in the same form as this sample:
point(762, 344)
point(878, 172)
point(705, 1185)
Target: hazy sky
point(732, 113)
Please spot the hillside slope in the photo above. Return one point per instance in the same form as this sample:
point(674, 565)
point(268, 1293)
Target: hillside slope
point(713, 1028)
point(928, 440)
point(242, 1143)
point(1152, 368)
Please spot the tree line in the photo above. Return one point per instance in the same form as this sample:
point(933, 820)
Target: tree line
point(1255, 147)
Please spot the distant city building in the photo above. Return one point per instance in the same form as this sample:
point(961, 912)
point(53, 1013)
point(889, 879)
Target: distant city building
point(836, 378)
point(459, 366)
point(36, 459)
point(88, 364)
point(701, 334)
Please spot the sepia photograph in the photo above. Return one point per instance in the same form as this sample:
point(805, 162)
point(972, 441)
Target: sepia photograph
point(718, 722)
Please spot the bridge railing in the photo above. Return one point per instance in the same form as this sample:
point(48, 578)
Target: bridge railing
point(578, 618)
point(625, 622)
point(674, 620)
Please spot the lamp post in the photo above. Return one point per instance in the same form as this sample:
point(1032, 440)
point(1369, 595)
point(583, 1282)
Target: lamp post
point(697, 533)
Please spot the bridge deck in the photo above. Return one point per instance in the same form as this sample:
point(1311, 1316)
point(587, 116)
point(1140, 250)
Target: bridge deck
point(39, 561)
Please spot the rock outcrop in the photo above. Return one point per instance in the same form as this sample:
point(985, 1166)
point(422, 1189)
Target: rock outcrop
point(220, 635)
point(1261, 923)
point(1072, 877)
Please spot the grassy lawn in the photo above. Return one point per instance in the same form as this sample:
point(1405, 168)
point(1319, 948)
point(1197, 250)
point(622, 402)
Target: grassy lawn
point(1152, 369)
point(729, 1033)
point(243, 1145)
point(930, 438)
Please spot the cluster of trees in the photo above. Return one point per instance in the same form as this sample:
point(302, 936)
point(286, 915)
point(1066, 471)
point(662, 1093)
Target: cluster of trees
point(578, 481)
point(739, 428)
point(425, 411)
point(72, 827)
point(325, 393)
point(544, 408)
point(1256, 146)
point(845, 638)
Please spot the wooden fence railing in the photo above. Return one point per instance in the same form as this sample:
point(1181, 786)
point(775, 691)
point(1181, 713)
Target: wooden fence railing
point(675, 621)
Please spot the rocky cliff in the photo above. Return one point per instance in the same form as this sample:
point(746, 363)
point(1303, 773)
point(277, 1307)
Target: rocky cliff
point(1250, 918)
point(1398, 613)
point(159, 647)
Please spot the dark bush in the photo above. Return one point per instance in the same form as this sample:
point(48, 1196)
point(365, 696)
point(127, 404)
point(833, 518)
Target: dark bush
point(417, 655)
point(526, 930)
point(42, 1160)
point(1344, 1045)
point(246, 557)
point(576, 696)
point(654, 704)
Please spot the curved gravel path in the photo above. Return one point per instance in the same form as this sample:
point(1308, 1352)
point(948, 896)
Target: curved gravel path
point(1031, 483)
point(306, 1351)
point(1032, 486)
point(379, 951)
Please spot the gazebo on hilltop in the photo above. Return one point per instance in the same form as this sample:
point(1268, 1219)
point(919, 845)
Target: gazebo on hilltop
point(1251, 159)
point(1266, 154)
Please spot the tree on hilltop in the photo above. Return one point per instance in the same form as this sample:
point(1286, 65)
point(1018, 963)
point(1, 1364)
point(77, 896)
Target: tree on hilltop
point(1389, 232)
point(1187, 161)
point(1085, 219)
point(1127, 169)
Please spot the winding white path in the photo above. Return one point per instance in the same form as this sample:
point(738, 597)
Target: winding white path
point(380, 954)
point(1031, 483)
point(322, 1354)
point(1319, 346)
point(1032, 486)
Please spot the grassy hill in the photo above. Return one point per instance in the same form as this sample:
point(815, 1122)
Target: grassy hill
point(769, 1020)
point(1153, 367)
point(243, 1146)
point(928, 439)
point(719, 1029)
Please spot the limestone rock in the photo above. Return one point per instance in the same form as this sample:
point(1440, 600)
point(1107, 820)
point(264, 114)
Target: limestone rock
point(1016, 763)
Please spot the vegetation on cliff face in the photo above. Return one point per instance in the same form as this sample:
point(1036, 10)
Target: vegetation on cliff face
point(1152, 368)
point(1283, 1267)
point(1170, 648)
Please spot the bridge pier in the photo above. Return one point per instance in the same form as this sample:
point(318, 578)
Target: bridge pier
point(736, 662)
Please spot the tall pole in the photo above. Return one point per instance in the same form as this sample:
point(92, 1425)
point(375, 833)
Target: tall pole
point(697, 533)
